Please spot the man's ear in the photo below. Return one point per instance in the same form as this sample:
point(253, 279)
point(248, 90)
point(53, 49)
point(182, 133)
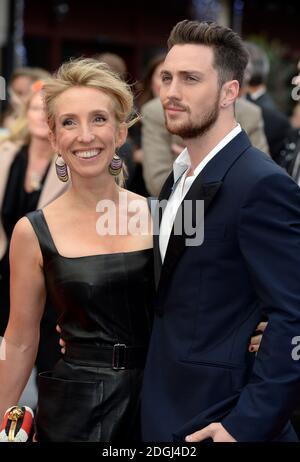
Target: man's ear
point(230, 92)
point(122, 134)
point(52, 140)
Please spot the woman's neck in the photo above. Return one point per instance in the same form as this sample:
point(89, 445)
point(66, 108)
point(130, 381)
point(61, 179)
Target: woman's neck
point(87, 193)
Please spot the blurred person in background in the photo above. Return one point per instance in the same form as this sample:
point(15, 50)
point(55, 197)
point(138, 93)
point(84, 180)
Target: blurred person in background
point(115, 62)
point(18, 91)
point(276, 124)
point(296, 79)
point(289, 157)
point(295, 117)
point(159, 148)
point(290, 154)
point(151, 81)
point(27, 181)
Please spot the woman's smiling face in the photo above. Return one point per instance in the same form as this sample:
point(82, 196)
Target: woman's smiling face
point(86, 131)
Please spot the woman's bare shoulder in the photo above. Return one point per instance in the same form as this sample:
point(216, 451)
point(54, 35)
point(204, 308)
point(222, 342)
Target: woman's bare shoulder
point(24, 240)
point(23, 229)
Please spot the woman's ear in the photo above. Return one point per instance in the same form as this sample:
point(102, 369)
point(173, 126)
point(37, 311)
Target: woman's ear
point(122, 134)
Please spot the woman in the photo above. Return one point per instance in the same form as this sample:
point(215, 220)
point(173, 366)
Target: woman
point(101, 284)
point(19, 89)
point(27, 181)
point(151, 82)
point(147, 89)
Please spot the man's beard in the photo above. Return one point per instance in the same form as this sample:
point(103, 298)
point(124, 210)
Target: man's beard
point(189, 130)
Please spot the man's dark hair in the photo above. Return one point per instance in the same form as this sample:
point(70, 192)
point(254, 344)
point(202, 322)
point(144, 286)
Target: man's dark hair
point(230, 54)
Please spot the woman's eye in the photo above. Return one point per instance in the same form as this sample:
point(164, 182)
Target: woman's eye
point(67, 122)
point(100, 118)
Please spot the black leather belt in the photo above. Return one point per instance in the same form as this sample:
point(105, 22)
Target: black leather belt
point(117, 357)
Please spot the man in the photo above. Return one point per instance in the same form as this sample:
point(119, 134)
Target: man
point(277, 125)
point(201, 383)
point(158, 144)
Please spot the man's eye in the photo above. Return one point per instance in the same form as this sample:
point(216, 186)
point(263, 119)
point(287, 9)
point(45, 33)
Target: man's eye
point(191, 78)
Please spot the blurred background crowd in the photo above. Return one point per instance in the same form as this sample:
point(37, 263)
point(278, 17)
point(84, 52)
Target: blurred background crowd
point(36, 37)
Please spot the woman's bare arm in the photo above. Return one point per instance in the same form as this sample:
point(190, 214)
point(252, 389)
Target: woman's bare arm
point(27, 292)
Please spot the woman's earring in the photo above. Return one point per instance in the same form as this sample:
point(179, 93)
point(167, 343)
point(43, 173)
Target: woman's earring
point(61, 169)
point(115, 166)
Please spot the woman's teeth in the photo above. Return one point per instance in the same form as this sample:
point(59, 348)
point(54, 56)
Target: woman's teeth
point(87, 154)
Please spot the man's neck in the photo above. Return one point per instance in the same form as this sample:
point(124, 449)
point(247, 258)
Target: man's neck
point(200, 147)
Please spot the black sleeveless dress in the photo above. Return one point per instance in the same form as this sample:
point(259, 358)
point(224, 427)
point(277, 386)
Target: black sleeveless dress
point(104, 306)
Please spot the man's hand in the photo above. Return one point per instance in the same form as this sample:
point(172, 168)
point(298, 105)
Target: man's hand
point(215, 431)
point(61, 341)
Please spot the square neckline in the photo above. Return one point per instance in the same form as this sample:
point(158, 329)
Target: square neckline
point(85, 256)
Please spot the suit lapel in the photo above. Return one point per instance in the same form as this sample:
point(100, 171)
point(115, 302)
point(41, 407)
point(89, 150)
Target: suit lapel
point(163, 196)
point(205, 188)
point(177, 242)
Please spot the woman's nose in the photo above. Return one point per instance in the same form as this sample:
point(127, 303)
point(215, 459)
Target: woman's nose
point(86, 135)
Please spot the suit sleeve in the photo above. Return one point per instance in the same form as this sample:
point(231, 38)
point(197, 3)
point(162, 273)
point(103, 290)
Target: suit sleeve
point(269, 237)
point(156, 144)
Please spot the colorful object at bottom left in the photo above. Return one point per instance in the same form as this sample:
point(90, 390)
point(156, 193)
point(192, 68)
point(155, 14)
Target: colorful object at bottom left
point(17, 424)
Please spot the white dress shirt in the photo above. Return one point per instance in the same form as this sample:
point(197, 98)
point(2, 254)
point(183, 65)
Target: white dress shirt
point(182, 184)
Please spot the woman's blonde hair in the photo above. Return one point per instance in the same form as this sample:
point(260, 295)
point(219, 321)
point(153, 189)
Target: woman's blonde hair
point(88, 72)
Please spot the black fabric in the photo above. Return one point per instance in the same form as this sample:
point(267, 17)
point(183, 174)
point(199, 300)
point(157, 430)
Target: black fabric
point(100, 300)
point(290, 155)
point(276, 125)
point(16, 203)
point(119, 356)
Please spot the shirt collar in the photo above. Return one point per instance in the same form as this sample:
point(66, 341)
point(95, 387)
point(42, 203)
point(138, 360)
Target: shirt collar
point(181, 164)
point(183, 161)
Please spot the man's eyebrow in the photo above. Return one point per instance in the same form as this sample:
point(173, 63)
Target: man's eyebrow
point(183, 72)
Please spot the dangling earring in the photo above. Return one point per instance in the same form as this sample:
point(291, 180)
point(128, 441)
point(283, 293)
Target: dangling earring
point(61, 169)
point(115, 166)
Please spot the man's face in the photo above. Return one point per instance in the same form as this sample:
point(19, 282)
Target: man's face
point(190, 91)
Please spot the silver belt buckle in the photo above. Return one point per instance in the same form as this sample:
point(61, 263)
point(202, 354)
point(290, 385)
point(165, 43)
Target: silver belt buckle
point(119, 356)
